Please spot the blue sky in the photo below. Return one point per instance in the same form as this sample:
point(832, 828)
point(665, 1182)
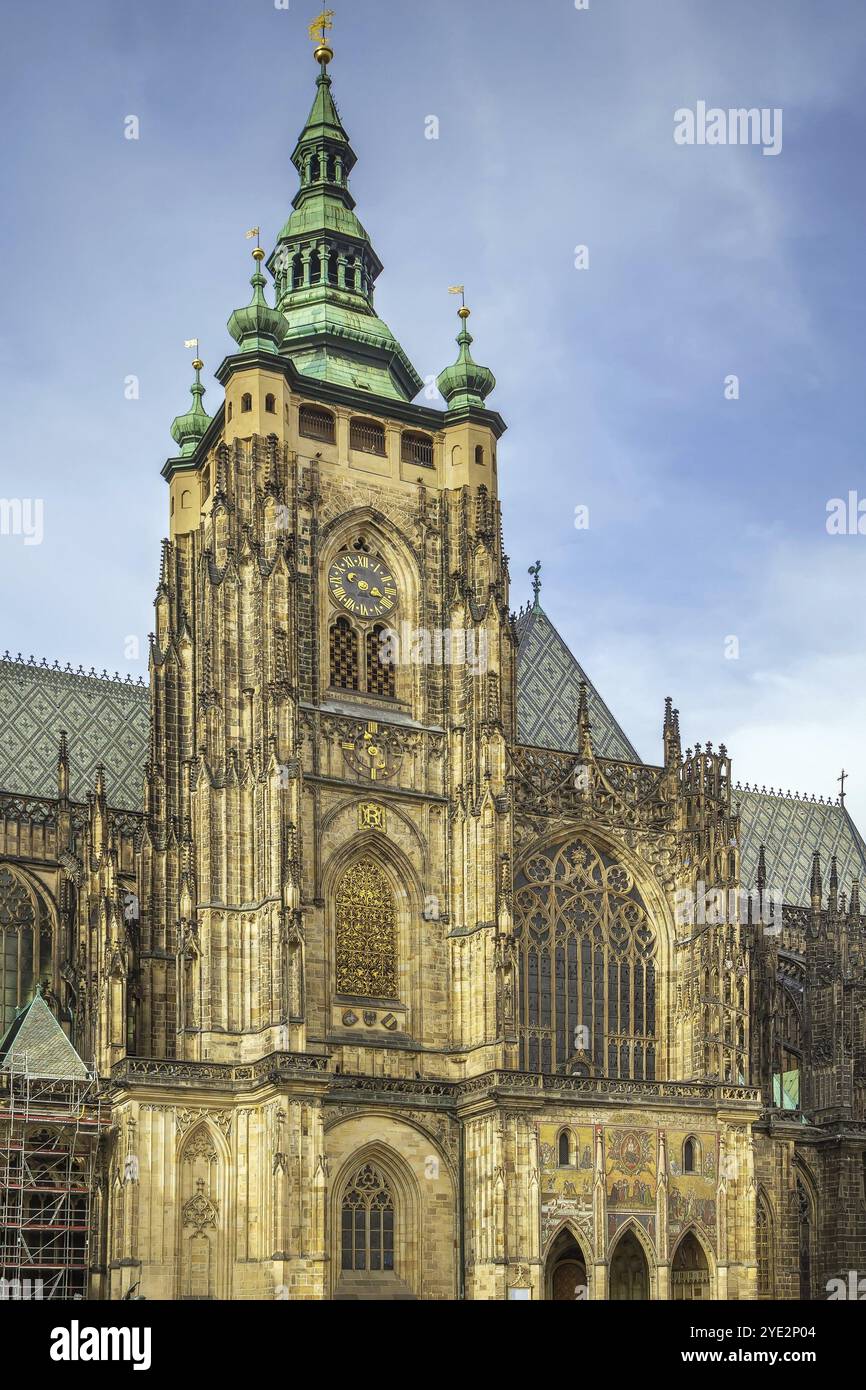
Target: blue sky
point(707, 516)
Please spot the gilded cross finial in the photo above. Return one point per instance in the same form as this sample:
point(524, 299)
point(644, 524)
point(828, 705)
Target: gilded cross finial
point(841, 780)
point(535, 571)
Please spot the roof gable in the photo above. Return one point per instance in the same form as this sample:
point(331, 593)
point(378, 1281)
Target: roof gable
point(35, 1035)
point(548, 688)
point(792, 829)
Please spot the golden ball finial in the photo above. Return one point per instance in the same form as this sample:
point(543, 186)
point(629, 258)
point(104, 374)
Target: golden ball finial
point(258, 254)
point(197, 363)
point(323, 54)
point(463, 312)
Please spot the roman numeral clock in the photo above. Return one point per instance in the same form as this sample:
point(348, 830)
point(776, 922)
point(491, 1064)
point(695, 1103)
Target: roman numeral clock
point(361, 585)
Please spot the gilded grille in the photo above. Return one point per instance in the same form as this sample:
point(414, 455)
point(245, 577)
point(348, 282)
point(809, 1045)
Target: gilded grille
point(344, 655)
point(366, 933)
point(380, 671)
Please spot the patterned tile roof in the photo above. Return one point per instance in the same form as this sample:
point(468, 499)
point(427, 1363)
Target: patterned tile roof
point(548, 681)
point(791, 829)
point(106, 719)
point(36, 1035)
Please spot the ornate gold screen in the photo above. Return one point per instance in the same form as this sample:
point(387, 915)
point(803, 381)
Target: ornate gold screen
point(366, 933)
point(587, 979)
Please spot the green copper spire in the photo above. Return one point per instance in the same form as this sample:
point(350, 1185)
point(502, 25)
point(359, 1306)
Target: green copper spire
point(257, 326)
point(465, 383)
point(187, 430)
point(325, 267)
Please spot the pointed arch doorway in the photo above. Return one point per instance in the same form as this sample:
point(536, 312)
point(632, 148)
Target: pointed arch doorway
point(690, 1273)
point(629, 1271)
point(566, 1274)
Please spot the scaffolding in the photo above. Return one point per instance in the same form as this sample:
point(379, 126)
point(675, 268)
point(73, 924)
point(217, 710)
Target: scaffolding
point(49, 1138)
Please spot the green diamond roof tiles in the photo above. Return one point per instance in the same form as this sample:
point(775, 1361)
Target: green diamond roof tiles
point(107, 721)
point(548, 688)
point(36, 1037)
point(792, 829)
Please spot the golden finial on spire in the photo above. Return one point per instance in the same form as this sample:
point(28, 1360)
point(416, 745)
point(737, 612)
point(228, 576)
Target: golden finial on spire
point(258, 253)
point(196, 361)
point(462, 312)
point(318, 31)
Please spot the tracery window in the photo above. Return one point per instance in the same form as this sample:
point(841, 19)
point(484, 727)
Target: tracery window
point(19, 946)
point(367, 1220)
point(366, 933)
point(587, 978)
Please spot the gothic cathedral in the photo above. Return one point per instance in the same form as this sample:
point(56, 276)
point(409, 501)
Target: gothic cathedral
point(383, 986)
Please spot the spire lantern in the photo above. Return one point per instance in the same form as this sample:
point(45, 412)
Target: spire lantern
point(257, 327)
point(324, 264)
point(188, 430)
point(465, 384)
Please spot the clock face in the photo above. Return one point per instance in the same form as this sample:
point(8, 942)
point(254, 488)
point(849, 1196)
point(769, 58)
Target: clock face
point(362, 585)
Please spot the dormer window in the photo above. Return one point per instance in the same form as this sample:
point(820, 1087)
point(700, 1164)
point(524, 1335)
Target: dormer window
point(367, 436)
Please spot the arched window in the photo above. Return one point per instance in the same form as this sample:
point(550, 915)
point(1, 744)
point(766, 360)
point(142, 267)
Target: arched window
point(315, 423)
point(368, 436)
point(381, 673)
point(246, 403)
point(416, 448)
point(479, 453)
point(344, 655)
point(270, 404)
point(565, 1150)
point(764, 1250)
point(691, 1155)
point(19, 947)
point(230, 411)
point(297, 272)
point(587, 976)
point(366, 933)
point(367, 1221)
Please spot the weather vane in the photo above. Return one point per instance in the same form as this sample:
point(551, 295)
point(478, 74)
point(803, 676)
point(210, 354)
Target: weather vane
point(535, 571)
point(318, 30)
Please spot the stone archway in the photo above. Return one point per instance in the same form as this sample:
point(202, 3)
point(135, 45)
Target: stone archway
point(690, 1271)
point(629, 1271)
point(566, 1277)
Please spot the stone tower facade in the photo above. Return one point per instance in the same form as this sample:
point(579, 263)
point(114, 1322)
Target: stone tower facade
point(391, 999)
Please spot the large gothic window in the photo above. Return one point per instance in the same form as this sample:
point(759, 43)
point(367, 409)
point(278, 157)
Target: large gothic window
point(587, 980)
point(19, 946)
point(366, 932)
point(368, 1222)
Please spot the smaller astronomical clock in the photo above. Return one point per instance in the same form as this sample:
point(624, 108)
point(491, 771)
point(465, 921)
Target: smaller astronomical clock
point(362, 585)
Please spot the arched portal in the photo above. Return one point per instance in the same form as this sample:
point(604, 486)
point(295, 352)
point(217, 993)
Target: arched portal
point(690, 1273)
point(629, 1271)
point(566, 1278)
